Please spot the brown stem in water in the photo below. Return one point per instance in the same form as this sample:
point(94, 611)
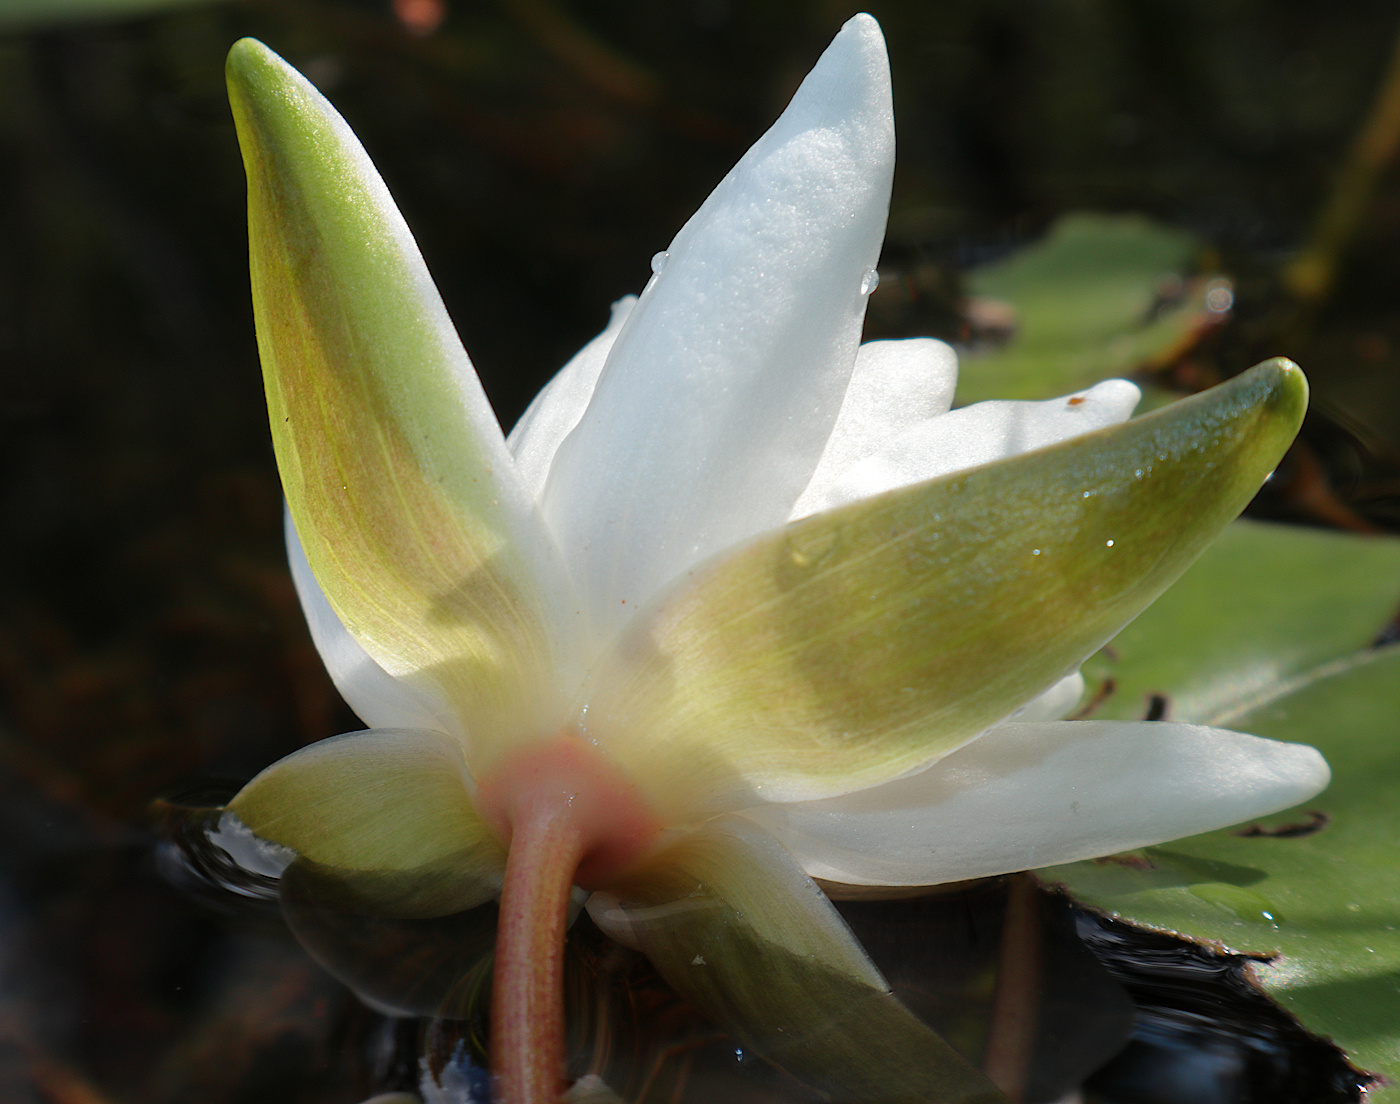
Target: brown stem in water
point(1016, 1000)
point(527, 996)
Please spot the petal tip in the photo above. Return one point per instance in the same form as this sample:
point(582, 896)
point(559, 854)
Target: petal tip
point(1310, 772)
point(851, 79)
point(249, 62)
point(1285, 389)
point(865, 28)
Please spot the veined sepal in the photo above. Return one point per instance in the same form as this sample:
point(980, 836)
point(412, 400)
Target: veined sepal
point(384, 820)
point(422, 536)
point(859, 644)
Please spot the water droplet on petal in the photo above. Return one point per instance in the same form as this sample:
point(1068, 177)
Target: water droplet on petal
point(869, 282)
point(658, 261)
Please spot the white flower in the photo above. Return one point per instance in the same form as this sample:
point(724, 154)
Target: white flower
point(730, 562)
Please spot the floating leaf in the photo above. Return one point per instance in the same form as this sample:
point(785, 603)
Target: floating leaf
point(1089, 303)
point(1270, 633)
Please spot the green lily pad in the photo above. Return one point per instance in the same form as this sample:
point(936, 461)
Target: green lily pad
point(1272, 633)
point(1099, 296)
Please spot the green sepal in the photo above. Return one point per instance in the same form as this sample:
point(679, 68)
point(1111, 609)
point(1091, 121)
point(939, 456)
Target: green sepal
point(384, 820)
point(406, 501)
point(853, 646)
point(732, 923)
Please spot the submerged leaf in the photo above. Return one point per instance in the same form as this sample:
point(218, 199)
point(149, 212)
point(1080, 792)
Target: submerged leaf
point(732, 923)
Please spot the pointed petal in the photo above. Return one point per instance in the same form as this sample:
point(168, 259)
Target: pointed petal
point(385, 814)
point(725, 382)
point(731, 922)
point(377, 697)
point(859, 644)
point(426, 544)
point(895, 386)
point(976, 435)
point(1031, 795)
point(557, 409)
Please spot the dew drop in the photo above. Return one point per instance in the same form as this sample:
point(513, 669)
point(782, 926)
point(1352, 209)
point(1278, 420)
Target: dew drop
point(658, 261)
point(869, 282)
point(1244, 903)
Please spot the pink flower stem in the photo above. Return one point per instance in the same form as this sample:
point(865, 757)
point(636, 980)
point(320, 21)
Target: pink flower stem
point(527, 996)
point(567, 816)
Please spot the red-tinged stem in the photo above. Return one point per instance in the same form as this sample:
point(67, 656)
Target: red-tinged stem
point(527, 1002)
point(1016, 1000)
point(568, 816)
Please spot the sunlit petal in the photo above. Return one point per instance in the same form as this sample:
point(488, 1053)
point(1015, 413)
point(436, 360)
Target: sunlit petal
point(1055, 704)
point(557, 409)
point(895, 386)
point(976, 435)
point(724, 383)
point(377, 697)
point(1032, 795)
point(425, 542)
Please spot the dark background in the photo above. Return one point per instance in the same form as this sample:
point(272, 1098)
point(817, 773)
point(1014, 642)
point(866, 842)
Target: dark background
point(542, 151)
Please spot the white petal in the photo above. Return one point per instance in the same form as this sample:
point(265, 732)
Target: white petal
point(895, 386)
point(1033, 795)
point(1055, 704)
point(976, 435)
point(554, 412)
point(724, 383)
point(377, 697)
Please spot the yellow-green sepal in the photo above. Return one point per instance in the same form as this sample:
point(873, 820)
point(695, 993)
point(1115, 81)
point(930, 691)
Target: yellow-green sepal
point(856, 645)
point(412, 517)
point(384, 821)
point(732, 923)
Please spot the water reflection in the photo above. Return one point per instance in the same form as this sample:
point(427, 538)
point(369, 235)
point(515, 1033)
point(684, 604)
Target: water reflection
point(1138, 1017)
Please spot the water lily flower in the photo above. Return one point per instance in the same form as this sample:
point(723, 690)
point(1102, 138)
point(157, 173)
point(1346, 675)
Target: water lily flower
point(739, 603)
